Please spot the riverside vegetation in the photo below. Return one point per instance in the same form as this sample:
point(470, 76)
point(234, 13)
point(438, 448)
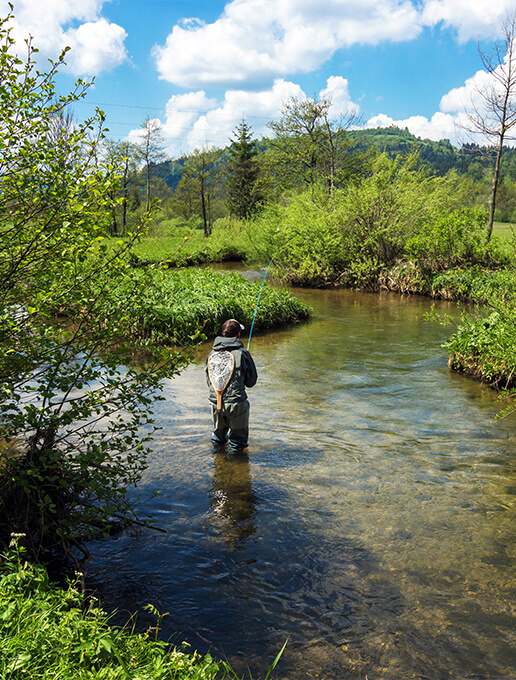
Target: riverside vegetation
point(76, 418)
point(75, 306)
point(395, 227)
point(50, 632)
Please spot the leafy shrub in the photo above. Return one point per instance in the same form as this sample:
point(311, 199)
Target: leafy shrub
point(486, 347)
point(382, 211)
point(227, 242)
point(451, 240)
point(303, 236)
point(476, 284)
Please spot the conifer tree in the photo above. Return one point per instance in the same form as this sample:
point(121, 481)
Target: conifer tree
point(242, 181)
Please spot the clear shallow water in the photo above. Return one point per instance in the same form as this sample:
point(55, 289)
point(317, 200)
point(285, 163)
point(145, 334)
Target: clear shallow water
point(372, 523)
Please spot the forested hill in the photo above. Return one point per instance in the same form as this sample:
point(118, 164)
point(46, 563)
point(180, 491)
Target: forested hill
point(441, 156)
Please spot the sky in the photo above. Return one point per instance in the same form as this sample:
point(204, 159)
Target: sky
point(202, 66)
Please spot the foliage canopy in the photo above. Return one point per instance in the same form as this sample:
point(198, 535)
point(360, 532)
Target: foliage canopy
point(71, 416)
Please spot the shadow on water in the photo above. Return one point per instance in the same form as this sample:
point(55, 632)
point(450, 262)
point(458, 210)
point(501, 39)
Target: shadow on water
point(372, 523)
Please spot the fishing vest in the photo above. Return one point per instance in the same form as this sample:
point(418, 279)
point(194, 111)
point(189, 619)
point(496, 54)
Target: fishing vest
point(235, 391)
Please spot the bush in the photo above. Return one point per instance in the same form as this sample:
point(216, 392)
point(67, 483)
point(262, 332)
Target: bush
point(486, 347)
point(76, 419)
point(449, 241)
point(476, 284)
point(382, 211)
point(303, 237)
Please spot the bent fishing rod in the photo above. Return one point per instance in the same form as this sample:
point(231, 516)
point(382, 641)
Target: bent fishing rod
point(257, 303)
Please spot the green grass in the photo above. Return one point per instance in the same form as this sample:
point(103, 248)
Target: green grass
point(476, 284)
point(170, 307)
point(51, 633)
point(485, 347)
point(48, 632)
point(186, 246)
point(171, 248)
point(504, 231)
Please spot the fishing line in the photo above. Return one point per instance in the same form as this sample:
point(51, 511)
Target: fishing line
point(257, 302)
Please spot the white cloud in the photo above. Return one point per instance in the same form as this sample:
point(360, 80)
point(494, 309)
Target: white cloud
point(97, 45)
point(258, 108)
point(467, 98)
point(182, 113)
point(194, 120)
point(440, 126)
point(258, 40)
point(255, 41)
point(470, 18)
point(337, 88)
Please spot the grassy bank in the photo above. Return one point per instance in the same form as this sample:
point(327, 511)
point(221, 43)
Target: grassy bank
point(485, 348)
point(183, 247)
point(51, 633)
point(484, 345)
point(175, 306)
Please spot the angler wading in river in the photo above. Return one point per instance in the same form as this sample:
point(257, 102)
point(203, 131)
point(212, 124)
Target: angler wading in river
point(229, 370)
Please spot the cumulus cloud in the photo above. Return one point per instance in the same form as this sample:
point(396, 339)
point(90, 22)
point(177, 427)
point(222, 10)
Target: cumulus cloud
point(337, 89)
point(439, 126)
point(469, 18)
point(97, 45)
point(258, 40)
point(195, 120)
point(255, 41)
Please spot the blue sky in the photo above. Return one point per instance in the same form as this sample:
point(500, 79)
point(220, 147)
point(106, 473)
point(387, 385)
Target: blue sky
point(200, 66)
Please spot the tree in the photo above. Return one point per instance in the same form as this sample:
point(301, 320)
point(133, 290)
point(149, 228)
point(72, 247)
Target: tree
point(309, 148)
point(242, 174)
point(151, 151)
point(71, 414)
point(495, 114)
point(200, 183)
point(122, 156)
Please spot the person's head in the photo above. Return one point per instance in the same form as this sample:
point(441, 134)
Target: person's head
point(232, 328)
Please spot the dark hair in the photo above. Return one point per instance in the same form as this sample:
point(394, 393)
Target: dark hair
point(231, 328)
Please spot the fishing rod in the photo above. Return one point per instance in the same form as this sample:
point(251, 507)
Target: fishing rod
point(257, 303)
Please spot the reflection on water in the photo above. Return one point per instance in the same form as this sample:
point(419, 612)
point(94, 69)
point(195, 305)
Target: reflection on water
point(372, 523)
point(232, 500)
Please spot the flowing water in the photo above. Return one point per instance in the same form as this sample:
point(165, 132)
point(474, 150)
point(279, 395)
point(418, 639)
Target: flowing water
point(372, 523)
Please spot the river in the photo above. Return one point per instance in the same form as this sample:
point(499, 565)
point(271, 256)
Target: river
point(371, 525)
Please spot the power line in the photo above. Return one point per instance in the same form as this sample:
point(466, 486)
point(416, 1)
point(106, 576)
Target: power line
point(177, 110)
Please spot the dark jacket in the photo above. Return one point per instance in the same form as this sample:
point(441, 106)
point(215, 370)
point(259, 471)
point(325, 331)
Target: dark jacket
point(244, 374)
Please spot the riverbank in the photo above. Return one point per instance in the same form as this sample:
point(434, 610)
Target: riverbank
point(54, 632)
point(176, 306)
point(482, 346)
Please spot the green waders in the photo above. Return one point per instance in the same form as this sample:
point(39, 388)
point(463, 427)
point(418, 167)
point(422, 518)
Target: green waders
point(231, 425)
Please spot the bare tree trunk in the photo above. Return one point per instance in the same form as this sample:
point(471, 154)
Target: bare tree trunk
point(495, 116)
point(148, 188)
point(204, 213)
point(126, 192)
point(492, 202)
point(331, 181)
